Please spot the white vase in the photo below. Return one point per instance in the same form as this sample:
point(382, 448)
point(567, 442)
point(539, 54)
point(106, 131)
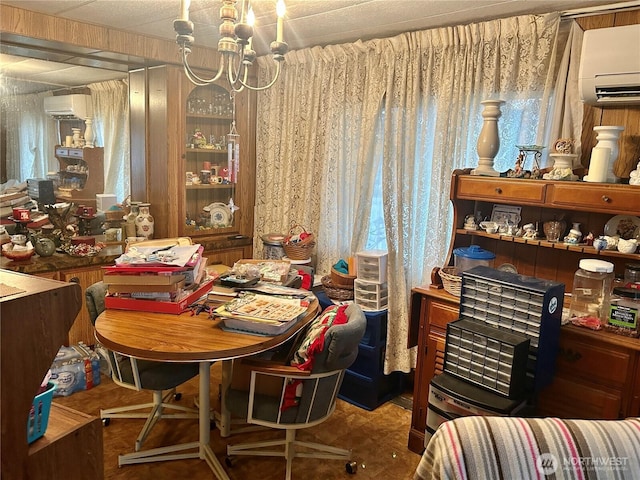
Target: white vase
point(607, 137)
point(88, 133)
point(144, 222)
point(77, 141)
point(489, 140)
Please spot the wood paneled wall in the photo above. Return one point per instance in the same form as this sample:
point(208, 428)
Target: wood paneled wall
point(627, 116)
point(33, 25)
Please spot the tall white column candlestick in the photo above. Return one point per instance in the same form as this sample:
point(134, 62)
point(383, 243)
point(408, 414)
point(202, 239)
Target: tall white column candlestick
point(489, 140)
point(598, 165)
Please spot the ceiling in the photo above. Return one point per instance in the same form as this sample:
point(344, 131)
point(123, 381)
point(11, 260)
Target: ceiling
point(307, 23)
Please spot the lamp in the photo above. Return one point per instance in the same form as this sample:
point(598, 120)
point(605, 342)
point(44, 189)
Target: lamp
point(234, 46)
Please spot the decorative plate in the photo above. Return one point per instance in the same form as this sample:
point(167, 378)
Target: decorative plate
point(507, 267)
point(627, 226)
point(83, 249)
point(220, 214)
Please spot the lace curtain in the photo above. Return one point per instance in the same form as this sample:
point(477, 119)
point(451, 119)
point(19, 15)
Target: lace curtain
point(111, 124)
point(409, 108)
point(30, 136)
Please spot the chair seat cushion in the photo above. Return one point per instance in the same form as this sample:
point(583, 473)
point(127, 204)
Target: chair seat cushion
point(159, 375)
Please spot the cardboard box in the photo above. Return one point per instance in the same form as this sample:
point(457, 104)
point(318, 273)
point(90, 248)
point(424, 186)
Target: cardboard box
point(175, 308)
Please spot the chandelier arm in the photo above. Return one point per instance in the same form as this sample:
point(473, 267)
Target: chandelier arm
point(194, 78)
point(230, 75)
point(264, 87)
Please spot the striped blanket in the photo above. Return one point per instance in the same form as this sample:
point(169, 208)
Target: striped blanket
point(488, 448)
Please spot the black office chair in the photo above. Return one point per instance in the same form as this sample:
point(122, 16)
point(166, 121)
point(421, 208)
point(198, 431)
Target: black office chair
point(136, 374)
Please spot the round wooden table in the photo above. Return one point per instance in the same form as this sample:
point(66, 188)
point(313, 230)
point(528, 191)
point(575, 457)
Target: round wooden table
point(187, 338)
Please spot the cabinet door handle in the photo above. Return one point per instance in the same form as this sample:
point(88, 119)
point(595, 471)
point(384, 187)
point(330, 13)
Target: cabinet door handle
point(569, 355)
point(498, 190)
point(606, 199)
point(74, 280)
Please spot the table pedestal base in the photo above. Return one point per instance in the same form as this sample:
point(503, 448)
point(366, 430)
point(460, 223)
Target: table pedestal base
point(202, 447)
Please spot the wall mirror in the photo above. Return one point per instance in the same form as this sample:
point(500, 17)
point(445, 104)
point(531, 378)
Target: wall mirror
point(33, 69)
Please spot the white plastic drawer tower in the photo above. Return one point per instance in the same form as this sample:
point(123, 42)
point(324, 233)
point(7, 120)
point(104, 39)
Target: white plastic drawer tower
point(370, 287)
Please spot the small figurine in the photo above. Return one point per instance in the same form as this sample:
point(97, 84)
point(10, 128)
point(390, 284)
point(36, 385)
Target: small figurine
point(530, 231)
point(470, 222)
point(634, 176)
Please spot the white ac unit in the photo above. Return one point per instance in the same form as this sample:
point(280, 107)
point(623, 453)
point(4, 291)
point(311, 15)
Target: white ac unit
point(610, 66)
point(69, 106)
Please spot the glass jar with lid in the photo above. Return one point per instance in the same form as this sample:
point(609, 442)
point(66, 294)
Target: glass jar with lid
point(592, 290)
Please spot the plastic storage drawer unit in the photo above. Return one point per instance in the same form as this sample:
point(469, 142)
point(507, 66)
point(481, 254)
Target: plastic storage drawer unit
point(372, 266)
point(370, 296)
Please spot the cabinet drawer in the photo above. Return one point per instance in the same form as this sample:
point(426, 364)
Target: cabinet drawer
point(439, 314)
point(600, 198)
point(594, 362)
point(500, 189)
point(566, 398)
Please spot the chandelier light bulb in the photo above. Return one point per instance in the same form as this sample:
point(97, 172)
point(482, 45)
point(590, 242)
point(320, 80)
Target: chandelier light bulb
point(234, 46)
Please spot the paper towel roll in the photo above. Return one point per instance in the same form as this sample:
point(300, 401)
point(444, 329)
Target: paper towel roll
point(598, 165)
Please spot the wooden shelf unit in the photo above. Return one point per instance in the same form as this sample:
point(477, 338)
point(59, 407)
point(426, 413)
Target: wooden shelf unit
point(30, 343)
point(597, 373)
point(80, 186)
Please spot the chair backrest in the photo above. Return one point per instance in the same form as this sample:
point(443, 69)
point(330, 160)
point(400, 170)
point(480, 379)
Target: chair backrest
point(94, 298)
point(341, 346)
point(341, 342)
point(124, 370)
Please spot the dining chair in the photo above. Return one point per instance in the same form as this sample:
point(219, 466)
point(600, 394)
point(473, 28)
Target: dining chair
point(136, 374)
point(274, 406)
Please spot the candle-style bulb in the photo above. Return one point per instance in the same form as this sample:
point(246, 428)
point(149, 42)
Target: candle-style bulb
point(184, 9)
point(280, 10)
point(251, 17)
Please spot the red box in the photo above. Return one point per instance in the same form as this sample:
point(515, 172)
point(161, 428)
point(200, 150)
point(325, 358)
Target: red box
point(175, 308)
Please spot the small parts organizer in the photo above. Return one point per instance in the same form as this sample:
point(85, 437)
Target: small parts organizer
point(527, 306)
point(370, 287)
point(523, 305)
point(492, 358)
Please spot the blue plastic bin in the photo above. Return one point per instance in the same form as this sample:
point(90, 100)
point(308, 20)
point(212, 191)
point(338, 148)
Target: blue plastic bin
point(39, 414)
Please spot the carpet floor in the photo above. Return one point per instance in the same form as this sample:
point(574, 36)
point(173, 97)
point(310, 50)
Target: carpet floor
point(378, 439)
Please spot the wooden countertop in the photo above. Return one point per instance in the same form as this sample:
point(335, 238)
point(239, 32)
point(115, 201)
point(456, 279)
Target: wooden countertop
point(61, 261)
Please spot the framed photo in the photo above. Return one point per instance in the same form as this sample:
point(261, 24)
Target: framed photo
point(506, 214)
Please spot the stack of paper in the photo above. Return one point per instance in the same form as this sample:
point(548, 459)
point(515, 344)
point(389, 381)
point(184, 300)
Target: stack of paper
point(158, 280)
point(263, 314)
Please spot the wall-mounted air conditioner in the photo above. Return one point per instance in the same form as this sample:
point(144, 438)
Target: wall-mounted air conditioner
point(69, 106)
point(610, 66)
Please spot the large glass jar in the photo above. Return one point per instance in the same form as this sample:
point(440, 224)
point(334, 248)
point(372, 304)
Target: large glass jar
point(592, 290)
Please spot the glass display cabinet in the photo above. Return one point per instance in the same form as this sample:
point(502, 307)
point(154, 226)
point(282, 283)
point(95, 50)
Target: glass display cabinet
point(182, 164)
point(212, 162)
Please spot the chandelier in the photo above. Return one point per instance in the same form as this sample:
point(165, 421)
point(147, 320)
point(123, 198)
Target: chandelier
point(234, 46)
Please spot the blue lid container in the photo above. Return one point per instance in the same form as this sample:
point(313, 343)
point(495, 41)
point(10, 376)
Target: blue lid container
point(469, 257)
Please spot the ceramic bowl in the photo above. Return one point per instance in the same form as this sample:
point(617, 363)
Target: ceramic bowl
point(627, 246)
point(19, 254)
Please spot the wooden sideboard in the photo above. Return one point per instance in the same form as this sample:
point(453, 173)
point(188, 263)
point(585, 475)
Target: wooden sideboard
point(597, 373)
point(35, 320)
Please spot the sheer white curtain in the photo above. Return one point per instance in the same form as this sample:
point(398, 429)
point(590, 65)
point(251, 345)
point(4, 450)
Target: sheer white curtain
point(111, 126)
point(30, 136)
point(409, 108)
